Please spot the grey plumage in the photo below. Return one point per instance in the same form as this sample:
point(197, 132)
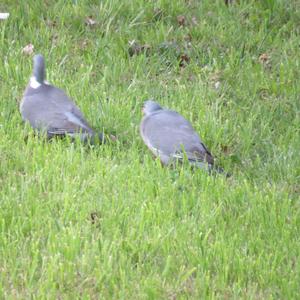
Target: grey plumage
point(50, 111)
point(39, 68)
point(171, 137)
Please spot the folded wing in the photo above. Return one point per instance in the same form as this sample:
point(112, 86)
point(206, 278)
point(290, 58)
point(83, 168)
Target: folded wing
point(167, 133)
point(49, 108)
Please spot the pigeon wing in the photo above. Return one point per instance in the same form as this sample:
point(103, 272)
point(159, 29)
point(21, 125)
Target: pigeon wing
point(49, 108)
point(168, 133)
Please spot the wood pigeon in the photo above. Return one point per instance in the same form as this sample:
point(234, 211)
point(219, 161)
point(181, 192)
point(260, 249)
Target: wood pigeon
point(171, 137)
point(50, 111)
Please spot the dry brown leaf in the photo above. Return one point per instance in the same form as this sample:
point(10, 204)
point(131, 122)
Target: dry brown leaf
point(264, 58)
point(95, 218)
point(51, 23)
point(28, 49)
point(226, 149)
point(263, 93)
point(90, 21)
point(136, 49)
point(188, 37)
point(184, 60)
point(181, 20)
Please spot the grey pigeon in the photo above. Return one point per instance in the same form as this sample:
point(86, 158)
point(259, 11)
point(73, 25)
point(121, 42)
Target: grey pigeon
point(50, 111)
point(171, 137)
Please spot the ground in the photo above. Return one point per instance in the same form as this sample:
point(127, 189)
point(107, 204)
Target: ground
point(109, 222)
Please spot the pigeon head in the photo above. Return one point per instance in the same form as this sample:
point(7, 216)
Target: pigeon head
point(150, 107)
point(39, 68)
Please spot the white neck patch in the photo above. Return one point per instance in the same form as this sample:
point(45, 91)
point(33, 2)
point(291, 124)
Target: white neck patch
point(34, 83)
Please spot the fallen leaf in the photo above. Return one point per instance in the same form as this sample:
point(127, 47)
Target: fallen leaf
point(51, 23)
point(225, 149)
point(136, 49)
point(95, 217)
point(146, 48)
point(181, 20)
point(263, 93)
point(188, 37)
point(90, 21)
point(184, 60)
point(28, 49)
point(264, 58)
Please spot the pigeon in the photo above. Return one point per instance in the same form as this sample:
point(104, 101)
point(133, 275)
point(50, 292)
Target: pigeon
point(50, 111)
point(171, 137)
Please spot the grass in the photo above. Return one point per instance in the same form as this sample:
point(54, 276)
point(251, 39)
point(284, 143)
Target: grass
point(111, 223)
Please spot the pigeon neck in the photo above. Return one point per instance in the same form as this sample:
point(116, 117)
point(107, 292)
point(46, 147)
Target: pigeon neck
point(39, 75)
point(34, 83)
point(39, 71)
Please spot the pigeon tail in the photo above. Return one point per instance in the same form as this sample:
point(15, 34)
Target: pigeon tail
point(39, 68)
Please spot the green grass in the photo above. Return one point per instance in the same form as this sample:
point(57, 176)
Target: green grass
point(111, 223)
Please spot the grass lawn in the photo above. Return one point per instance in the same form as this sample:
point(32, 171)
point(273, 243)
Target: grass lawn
point(109, 222)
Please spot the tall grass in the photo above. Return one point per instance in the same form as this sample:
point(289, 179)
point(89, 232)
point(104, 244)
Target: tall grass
point(109, 222)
